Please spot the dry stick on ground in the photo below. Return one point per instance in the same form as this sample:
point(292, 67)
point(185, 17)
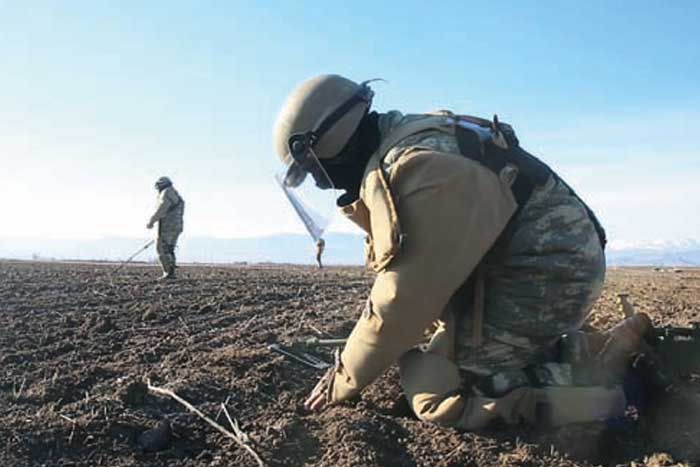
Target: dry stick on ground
point(96, 292)
point(189, 331)
point(247, 324)
point(212, 423)
point(18, 394)
point(72, 431)
point(234, 424)
point(66, 418)
point(221, 408)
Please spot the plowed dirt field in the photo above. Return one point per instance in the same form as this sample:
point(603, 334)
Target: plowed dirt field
point(76, 340)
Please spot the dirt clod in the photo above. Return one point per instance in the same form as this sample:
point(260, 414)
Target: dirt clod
point(134, 392)
point(155, 439)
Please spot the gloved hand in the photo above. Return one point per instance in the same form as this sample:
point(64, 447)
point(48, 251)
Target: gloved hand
point(149, 225)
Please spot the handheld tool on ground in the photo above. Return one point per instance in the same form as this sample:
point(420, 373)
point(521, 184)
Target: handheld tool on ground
point(300, 357)
point(318, 342)
point(138, 252)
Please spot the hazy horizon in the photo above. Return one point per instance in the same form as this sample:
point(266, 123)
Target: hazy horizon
point(341, 249)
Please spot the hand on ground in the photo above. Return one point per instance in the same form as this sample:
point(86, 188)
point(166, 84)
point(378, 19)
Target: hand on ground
point(318, 399)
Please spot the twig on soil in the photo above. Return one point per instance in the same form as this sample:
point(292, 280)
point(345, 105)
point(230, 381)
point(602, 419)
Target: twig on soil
point(18, 394)
point(302, 322)
point(247, 324)
point(456, 450)
point(212, 423)
point(72, 431)
point(189, 331)
point(234, 424)
point(221, 408)
point(315, 329)
point(66, 418)
point(99, 293)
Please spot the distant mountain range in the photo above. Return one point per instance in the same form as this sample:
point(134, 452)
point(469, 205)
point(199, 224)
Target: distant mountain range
point(296, 249)
point(658, 253)
point(285, 248)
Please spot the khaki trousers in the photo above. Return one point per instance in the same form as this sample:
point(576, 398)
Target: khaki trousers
point(432, 384)
point(165, 246)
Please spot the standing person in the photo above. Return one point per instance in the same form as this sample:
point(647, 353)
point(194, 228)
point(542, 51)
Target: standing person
point(468, 234)
point(320, 246)
point(168, 215)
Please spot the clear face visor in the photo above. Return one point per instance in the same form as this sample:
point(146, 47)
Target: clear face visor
point(308, 187)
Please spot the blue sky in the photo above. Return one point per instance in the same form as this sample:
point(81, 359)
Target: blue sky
point(98, 99)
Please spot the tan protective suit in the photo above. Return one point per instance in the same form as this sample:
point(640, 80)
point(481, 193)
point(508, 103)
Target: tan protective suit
point(169, 215)
point(431, 215)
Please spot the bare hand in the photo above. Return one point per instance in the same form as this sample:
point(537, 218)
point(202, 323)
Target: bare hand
point(318, 399)
point(320, 395)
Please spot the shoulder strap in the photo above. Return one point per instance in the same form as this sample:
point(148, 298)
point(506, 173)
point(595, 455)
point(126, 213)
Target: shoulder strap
point(492, 144)
point(490, 151)
point(430, 122)
point(491, 154)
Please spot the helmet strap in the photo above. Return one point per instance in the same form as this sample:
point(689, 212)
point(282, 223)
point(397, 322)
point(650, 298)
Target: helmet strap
point(364, 94)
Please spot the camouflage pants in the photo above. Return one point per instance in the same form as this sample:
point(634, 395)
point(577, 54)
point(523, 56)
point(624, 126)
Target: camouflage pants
point(538, 285)
point(165, 246)
point(433, 387)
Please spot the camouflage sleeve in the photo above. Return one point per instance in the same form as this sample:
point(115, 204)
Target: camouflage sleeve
point(164, 204)
point(451, 211)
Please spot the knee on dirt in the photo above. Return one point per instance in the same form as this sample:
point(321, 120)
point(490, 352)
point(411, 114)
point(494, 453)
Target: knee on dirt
point(431, 385)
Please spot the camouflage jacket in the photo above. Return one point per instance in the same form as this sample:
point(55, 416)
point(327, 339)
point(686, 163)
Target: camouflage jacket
point(431, 216)
point(170, 211)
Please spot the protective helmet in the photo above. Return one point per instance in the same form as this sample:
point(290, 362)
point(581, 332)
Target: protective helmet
point(316, 122)
point(163, 183)
point(327, 109)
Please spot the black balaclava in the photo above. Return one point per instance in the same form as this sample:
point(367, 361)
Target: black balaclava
point(162, 186)
point(348, 167)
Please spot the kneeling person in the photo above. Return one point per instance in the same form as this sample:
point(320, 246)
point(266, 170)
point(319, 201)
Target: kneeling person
point(470, 236)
